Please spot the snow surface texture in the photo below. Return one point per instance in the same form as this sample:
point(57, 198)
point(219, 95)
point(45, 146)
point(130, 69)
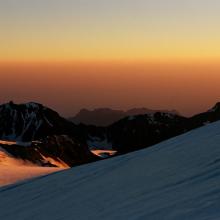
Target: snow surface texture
point(13, 174)
point(177, 179)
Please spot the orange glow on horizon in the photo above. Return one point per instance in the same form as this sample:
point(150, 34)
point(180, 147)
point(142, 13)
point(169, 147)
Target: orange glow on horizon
point(69, 86)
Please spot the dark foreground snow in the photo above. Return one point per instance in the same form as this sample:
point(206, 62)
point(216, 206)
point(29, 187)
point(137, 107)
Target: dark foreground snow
point(177, 179)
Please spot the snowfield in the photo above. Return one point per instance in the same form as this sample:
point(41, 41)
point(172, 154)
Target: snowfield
point(13, 174)
point(177, 179)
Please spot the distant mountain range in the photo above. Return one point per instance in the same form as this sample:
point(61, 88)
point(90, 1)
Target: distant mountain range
point(107, 116)
point(45, 138)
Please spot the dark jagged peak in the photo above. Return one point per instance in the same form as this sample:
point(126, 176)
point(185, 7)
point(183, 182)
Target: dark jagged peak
point(29, 108)
point(204, 118)
point(25, 122)
point(13, 105)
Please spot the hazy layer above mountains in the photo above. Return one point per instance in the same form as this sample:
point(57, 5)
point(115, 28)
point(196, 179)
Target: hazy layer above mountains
point(69, 87)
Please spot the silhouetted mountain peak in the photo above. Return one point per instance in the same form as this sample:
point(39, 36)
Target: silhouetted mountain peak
point(216, 108)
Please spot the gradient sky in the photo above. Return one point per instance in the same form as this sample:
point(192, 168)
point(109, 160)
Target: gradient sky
point(116, 53)
point(109, 29)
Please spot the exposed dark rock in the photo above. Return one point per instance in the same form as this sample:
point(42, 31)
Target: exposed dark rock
point(137, 132)
point(67, 149)
point(204, 118)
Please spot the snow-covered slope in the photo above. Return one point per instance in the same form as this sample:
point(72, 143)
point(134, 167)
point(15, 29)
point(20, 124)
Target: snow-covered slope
point(14, 173)
point(177, 179)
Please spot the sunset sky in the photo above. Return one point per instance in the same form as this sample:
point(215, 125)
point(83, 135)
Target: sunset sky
point(71, 54)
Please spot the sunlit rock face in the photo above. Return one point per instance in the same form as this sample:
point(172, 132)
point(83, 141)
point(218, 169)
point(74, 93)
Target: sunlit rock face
point(31, 121)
